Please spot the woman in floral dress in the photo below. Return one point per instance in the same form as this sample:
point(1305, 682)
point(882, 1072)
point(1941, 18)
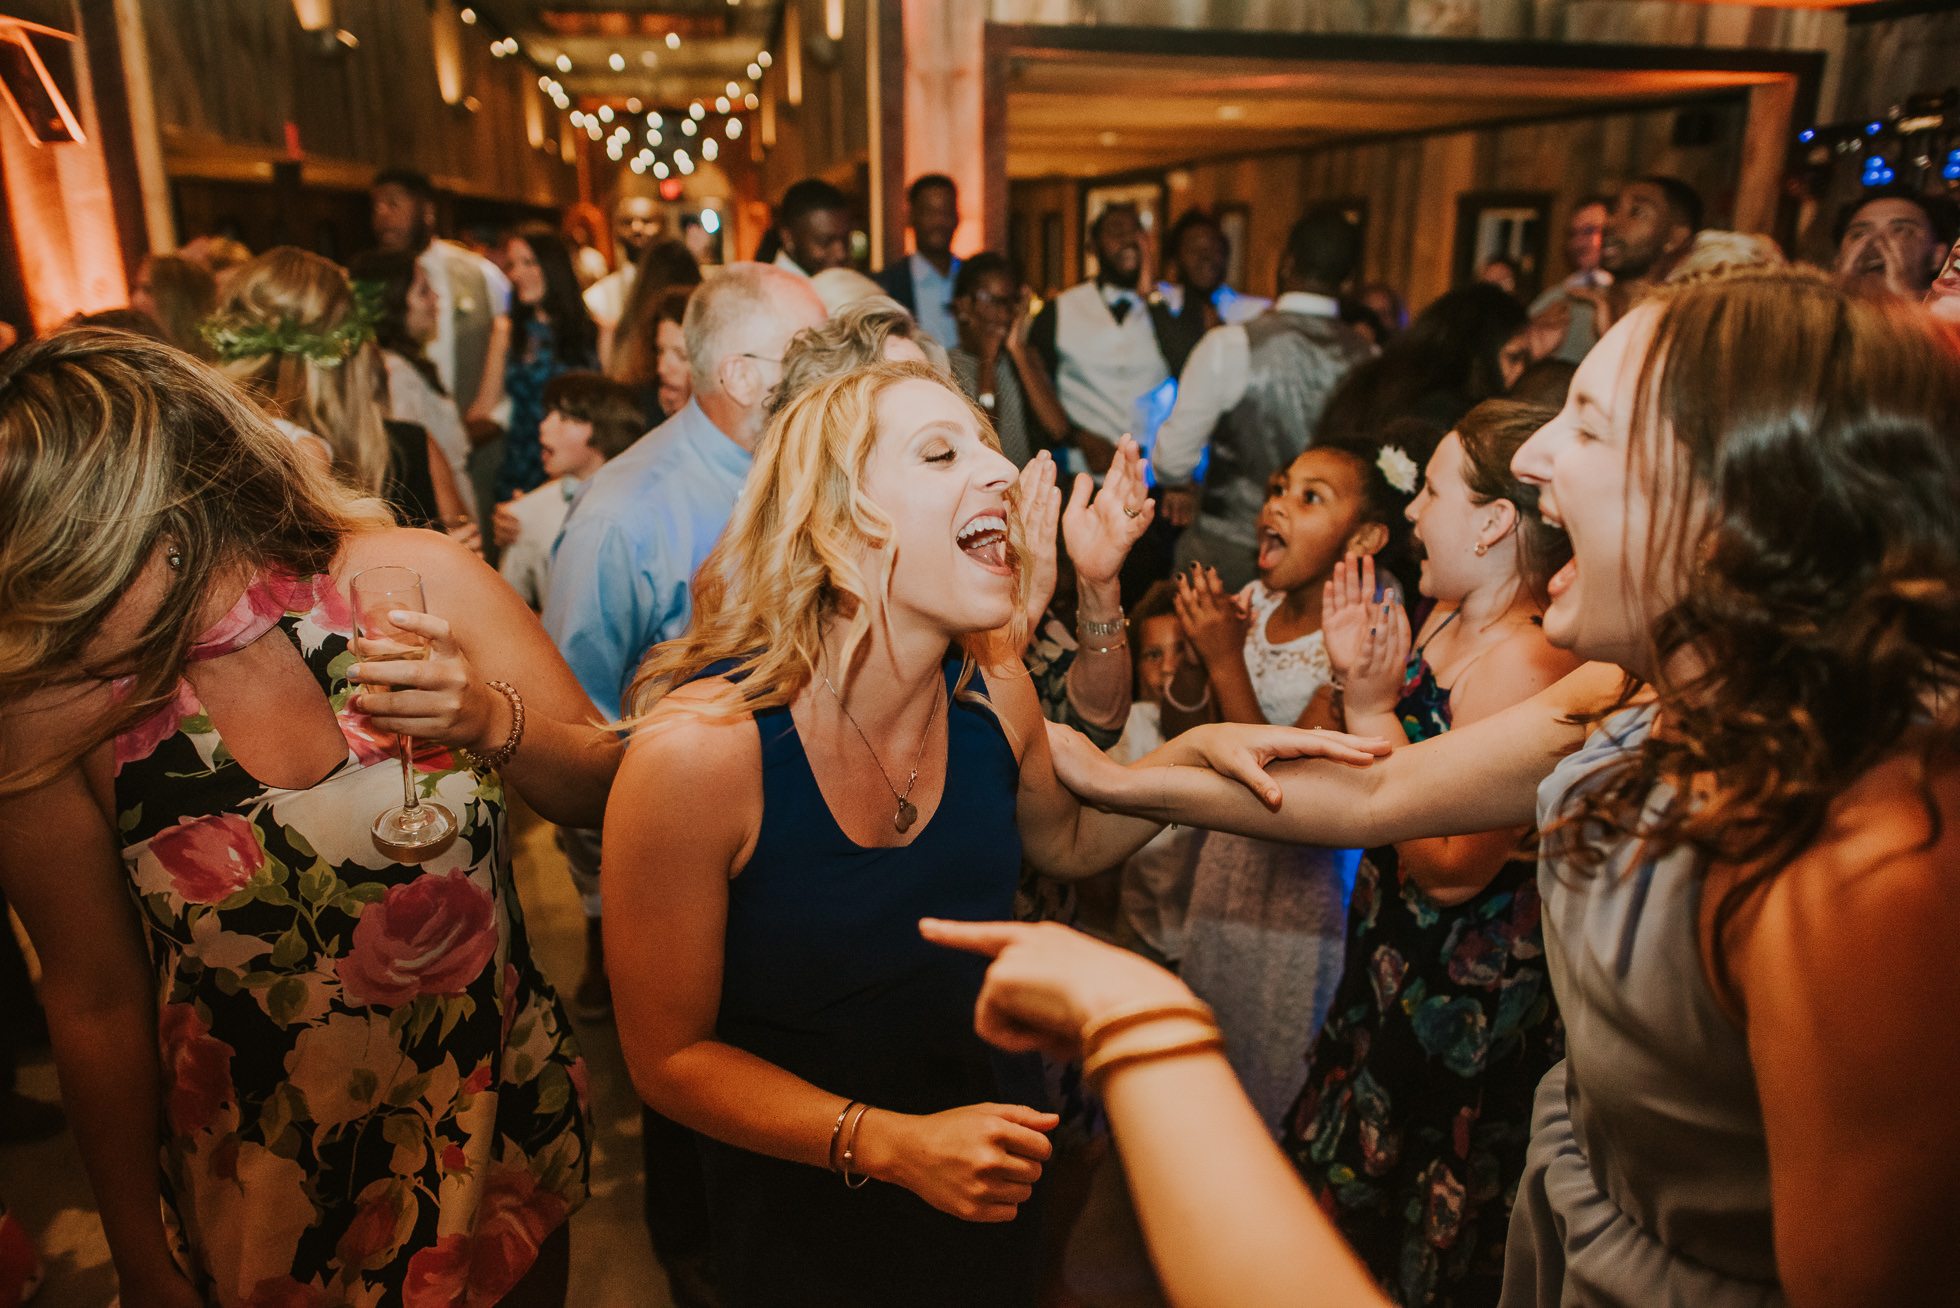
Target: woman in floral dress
point(367, 1092)
point(1416, 1111)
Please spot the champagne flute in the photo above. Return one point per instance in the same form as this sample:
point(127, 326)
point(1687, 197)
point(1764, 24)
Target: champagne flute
point(410, 832)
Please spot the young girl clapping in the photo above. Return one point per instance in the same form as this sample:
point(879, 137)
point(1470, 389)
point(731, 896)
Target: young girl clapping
point(1263, 936)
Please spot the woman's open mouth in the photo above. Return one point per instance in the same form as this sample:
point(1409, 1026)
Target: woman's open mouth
point(984, 540)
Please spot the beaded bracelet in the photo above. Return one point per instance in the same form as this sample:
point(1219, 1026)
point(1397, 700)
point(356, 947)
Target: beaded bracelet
point(502, 754)
point(1084, 627)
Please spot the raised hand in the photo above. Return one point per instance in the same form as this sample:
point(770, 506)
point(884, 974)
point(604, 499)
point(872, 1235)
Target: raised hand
point(505, 525)
point(440, 698)
point(1099, 531)
point(1346, 608)
point(1214, 622)
point(1040, 506)
point(1380, 668)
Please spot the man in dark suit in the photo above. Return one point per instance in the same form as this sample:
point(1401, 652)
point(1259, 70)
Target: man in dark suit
point(923, 280)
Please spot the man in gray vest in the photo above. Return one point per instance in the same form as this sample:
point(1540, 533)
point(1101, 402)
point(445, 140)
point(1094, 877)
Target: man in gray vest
point(1254, 393)
point(472, 314)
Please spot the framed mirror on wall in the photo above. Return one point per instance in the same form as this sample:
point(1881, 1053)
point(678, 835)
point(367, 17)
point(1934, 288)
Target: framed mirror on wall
point(1500, 236)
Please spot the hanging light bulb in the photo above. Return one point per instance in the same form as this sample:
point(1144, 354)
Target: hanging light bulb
point(564, 63)
point(687, 127)
point(734, 129)
point(764, 59)
point(721, 104)
point(660, 168)
point(673, 40)
point(751, 100)
point(605, 113)
point(696, 112)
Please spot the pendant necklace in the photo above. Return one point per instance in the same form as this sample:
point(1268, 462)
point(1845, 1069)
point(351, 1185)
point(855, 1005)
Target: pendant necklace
point(906, 814)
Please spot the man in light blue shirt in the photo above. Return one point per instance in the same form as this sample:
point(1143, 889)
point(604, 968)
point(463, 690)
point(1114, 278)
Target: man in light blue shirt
point(636, 536)
point(923, 280)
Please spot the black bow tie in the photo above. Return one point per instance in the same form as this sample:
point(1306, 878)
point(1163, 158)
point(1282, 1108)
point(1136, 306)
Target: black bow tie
point(1120, 310)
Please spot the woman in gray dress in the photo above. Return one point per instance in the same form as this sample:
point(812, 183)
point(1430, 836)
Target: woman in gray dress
point(1748, 902)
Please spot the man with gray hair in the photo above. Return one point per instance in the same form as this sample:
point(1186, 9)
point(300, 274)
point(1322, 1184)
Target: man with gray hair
point(857, 334)
point(647, 519)
point(619, 585)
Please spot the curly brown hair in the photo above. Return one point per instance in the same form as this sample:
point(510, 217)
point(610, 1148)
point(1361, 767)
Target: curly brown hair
point(1809, 494)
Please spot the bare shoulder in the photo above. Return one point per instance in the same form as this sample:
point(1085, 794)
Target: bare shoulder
point(1011, 691)
point(693, 744)
point(50, 723)
point(1515, 668)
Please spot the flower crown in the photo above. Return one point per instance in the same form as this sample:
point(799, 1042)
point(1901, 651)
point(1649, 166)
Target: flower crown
point(232, 336)
point(1398, 469)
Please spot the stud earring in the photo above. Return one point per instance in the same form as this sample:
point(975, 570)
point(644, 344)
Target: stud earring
point(173, 556)
point(1482, 549)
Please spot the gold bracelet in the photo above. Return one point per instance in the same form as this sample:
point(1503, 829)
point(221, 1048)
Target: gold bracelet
point(1094, 1033)
point(1099, 1067)
point(1105, 649)
point(850, 1150)
point(836, 1129)
point(502, 754)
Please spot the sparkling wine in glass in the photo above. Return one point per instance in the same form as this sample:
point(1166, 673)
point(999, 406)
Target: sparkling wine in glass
point(412, 831)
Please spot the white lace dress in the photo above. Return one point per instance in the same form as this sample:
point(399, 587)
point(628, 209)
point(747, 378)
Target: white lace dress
point(1265, 932)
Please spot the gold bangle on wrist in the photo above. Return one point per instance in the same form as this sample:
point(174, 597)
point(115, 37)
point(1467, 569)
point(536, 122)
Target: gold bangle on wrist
point(1099, 1067)
point(837, 1129)
point(1094, 1033)
point(850, 1151)
point(502, 754)
point(1106, 649)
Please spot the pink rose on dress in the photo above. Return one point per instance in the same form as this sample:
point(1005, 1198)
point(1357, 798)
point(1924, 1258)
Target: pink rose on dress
point(284, 1292)
point(370, 744)
point(208, 858)
point(479, 1080)
point(318, 596)
point(454, 1159)
point(196, 1070)
point(438, 1275)
point(141, 740)
point(432, 936)
point(512, 1221)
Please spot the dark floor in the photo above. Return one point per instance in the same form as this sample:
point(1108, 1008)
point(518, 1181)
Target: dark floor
point(611, 1261)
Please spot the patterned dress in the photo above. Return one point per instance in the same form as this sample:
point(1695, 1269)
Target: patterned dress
point(1413, 1123)
point(533, 363)
point(371, 1094)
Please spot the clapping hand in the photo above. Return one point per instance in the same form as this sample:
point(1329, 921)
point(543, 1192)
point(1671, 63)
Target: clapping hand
point(1099, 531)
point(1214, 622)
point(1039, 503)
point(1367, 638)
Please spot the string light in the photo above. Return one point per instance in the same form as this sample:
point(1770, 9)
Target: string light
point(617, 63)
point(564, 63)
point(696, 111)
point(751, 100)
point(605, 113)
point(673, 40)
point(710, 221)
point(734, 89)
point(721, 104)
point(659, 169)
point(709, 149)
point(468, 16)
point(755, 72)
point(763, 59)
point(633, 105)
point(734, 129)
point(687, 127)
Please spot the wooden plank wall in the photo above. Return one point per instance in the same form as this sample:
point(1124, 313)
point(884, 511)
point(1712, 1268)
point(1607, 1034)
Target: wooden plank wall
point(230, 75)
point(1411, 184)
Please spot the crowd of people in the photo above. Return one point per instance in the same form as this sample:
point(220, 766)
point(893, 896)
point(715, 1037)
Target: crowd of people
point(1276, 798)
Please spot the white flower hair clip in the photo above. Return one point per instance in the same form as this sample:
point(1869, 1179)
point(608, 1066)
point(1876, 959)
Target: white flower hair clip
point(1398, 468)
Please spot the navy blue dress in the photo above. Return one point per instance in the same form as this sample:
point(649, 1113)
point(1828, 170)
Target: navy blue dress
point(825, 975)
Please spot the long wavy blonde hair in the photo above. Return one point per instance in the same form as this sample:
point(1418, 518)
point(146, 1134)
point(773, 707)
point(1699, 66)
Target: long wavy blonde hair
point(788, 563)
point(337, 403)
point(112, 445)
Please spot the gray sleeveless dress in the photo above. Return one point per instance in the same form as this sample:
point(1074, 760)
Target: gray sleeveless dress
point(1647, 1181)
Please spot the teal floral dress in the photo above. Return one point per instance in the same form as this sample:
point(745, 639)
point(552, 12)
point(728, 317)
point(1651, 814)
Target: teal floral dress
point(1414, 1119)
point(371, 1096)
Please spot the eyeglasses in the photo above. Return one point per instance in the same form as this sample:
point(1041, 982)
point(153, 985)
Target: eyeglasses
point(988, 297)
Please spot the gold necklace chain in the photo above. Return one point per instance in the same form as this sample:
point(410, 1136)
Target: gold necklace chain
point(907, 814)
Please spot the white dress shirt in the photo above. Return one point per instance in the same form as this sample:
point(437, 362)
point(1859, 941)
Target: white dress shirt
point(1231, 305)
point(442, 350)
point(1213, 383)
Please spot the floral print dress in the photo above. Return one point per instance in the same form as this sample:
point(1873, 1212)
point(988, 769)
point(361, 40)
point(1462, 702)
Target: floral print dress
point(1414, 1119)
point(370, 1093)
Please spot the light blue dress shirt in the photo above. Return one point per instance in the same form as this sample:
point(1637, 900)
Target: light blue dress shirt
point(932, 298)
point(631, 544)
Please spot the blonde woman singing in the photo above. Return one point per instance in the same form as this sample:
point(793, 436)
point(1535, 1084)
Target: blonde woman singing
point(840, 746)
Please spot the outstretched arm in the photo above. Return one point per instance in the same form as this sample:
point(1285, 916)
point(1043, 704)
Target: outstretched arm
point(1227, 1220)
point(1477, 778)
